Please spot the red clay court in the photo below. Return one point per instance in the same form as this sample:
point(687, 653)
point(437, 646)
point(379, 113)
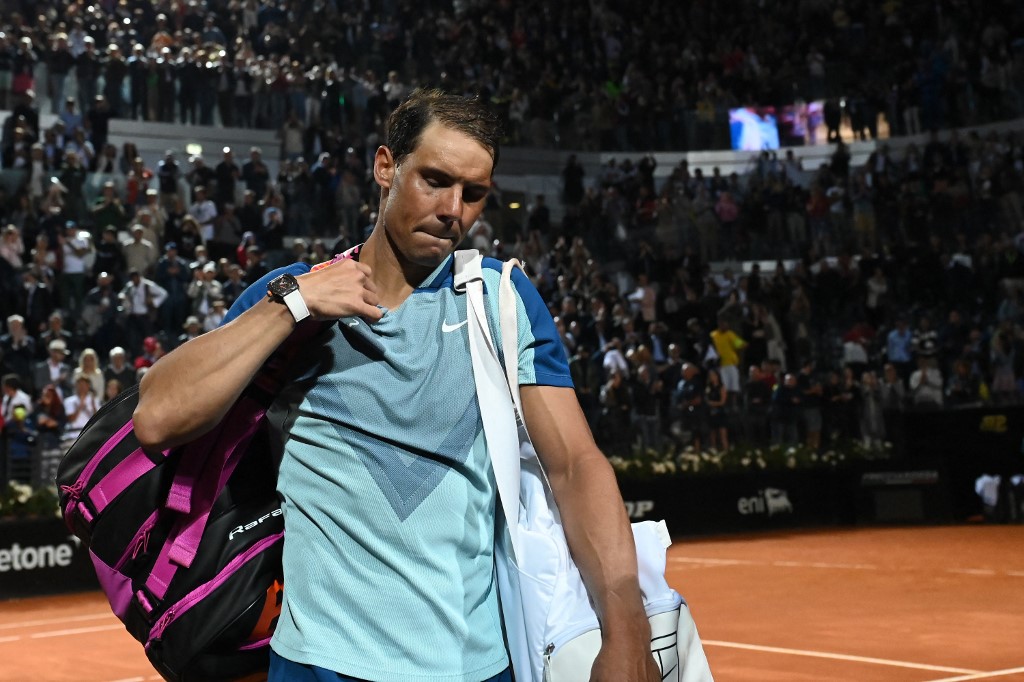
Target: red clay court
point(920, 604)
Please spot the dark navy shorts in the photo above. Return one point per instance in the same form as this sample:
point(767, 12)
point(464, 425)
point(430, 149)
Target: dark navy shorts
point(283, 670)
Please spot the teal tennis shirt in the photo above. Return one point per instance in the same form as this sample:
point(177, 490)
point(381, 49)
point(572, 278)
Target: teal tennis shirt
point(387, 488)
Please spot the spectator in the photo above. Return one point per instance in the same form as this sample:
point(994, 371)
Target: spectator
point(690, 405)
point(18, 350)
point(55, 369)
point(79, 408)
point(172, 275)
point(59, 62)
point(140, 299)
point(926, 382)
point(168, 173)
point(89, 368)
point(13, 397)
point(728, 346)
point(227, 174)
point(616, 406)
point(205, 213)
point(716, 397)
point(49, 417)
point(646, 389)
point(963, 388)
point(87, 71)
point(35, 301)
point(140, 253)
point(118, 368)
point(785, 412)
point(757, 402)
point(255, 173)
point(899, 348)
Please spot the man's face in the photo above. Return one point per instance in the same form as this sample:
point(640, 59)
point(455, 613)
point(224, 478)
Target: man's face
point(435, 194)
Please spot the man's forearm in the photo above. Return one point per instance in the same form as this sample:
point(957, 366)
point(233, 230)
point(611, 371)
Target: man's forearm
point(189, 390)
point(594, 517)
point(601, 540)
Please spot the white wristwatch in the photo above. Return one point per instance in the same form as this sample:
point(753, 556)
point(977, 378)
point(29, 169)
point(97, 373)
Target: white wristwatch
point(285, 289)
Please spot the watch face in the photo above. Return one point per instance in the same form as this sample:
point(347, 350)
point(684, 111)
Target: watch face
point(282, 285)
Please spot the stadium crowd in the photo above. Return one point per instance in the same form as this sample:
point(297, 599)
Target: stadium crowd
point(892, 284)
point(577, 74)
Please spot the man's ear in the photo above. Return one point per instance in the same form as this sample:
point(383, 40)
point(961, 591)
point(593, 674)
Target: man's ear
point(384, 167)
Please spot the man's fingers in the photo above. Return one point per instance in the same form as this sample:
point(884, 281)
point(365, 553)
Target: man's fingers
point(372, 313)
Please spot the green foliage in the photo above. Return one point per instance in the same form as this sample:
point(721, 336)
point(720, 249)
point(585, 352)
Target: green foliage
point(19, 500)
point(743, 458)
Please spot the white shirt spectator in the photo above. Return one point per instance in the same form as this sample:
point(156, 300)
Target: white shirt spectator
point(134, 297)
point(615, 361)
point(926, 386)
point(79, 410)
point(76, 253)
point(20, 398)
point(205, 212)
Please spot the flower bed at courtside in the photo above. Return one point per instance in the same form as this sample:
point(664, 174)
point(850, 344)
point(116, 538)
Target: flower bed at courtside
point(22, 501)
point(641, 464)
point(19, 500)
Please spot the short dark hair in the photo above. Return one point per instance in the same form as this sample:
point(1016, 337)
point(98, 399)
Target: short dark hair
point(467, 115)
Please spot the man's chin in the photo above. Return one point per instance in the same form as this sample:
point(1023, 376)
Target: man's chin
point(433, 255)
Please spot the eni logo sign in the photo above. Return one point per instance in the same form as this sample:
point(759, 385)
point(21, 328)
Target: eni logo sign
point(993, 423)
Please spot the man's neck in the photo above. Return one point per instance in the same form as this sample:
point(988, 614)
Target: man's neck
point(395, 277)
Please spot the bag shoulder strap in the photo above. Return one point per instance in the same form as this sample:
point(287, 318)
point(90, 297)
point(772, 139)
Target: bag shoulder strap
point(508, 308)
point(497, 410)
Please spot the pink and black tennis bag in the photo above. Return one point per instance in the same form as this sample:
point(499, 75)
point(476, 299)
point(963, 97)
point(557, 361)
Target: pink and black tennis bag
point(186, 543)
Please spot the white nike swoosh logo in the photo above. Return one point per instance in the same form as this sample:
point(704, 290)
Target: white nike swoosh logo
point(353, 323)
point(445, 327)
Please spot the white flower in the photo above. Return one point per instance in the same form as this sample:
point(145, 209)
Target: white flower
point(22, 492)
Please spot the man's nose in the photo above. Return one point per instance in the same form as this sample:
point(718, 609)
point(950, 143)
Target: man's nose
point(452, 205)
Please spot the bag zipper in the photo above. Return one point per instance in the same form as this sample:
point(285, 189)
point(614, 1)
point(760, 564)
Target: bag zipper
point(197, 595)
point(138, 542)
point(653, 609)
point(75, 491)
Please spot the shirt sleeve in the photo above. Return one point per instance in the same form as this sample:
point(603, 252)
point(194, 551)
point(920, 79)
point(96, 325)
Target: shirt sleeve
point(542, 358)
point(258, 290)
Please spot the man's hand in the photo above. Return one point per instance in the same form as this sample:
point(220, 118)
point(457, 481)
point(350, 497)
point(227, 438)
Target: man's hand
point(625, 664)
point(341, 290)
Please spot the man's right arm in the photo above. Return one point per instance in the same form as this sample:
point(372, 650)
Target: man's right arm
point(190, 390)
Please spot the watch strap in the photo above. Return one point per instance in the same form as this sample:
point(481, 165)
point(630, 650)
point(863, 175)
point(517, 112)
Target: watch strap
point(296, 305)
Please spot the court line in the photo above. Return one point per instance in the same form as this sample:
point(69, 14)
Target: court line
point(54, 621)
point(714, 562)
point(62, 633)
point(838, 657)
point(75, 631)
point(700, 561)
point(981, 676)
